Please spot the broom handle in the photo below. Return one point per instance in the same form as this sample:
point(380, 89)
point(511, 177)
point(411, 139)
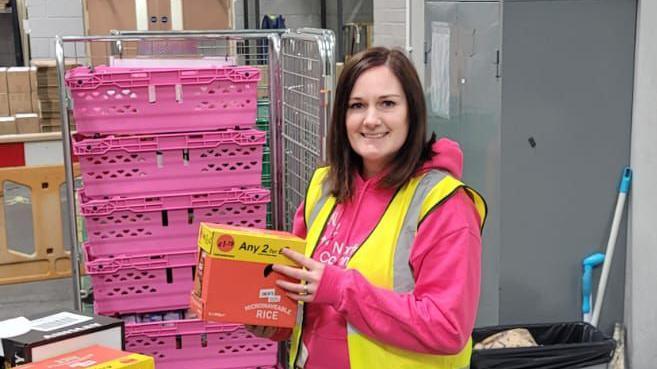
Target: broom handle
point(611, 244)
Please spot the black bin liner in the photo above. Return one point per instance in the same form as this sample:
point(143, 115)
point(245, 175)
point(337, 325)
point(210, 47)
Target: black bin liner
point(561, 345)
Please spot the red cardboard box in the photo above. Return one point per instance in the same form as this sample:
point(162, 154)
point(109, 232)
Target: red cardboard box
point(235, 282)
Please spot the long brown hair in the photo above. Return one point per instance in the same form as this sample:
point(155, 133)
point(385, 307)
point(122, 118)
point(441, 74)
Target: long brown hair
point(342, 158)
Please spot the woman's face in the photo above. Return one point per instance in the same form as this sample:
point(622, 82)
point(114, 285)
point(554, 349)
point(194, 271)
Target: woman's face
point(377, 118)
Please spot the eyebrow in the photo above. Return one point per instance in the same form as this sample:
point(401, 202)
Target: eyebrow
point(380, 97)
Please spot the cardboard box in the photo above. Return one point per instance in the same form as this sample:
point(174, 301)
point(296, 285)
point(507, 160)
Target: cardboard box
point(33, 79)
point(4, 105)
point(18, 80)
point(3, 80)
point(20, 103)
point(55, 333)
point(8, 126)
point(234, 282)
point(36, 103)
point(27, 123)
point(95, 357)
point(47, 71)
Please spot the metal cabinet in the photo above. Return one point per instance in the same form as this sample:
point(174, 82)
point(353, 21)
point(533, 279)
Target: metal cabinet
point(540, 96)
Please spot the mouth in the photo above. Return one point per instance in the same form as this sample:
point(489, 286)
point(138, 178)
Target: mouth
point(374, 135)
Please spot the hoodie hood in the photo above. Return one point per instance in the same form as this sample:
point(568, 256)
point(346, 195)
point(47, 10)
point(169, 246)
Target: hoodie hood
point(447, 157)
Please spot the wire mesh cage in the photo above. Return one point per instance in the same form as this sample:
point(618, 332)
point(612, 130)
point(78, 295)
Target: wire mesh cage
point(307, 73)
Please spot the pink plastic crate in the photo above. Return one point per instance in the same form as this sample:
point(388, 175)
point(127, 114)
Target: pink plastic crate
point(200, 345)
point(166, 223)
point(150, 100)
point(147, 164)
point(142, 283)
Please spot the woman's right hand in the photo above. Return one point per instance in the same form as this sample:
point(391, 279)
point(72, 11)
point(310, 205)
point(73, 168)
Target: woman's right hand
point(261, 330)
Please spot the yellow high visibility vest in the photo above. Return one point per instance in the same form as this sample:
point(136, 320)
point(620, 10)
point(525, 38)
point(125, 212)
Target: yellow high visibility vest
point(390, 245)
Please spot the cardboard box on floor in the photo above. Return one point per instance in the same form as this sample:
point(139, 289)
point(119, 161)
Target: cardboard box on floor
point(8, 126)
point(4, 104)
point(27, 123)
point(36, 103)
point(34, 84)
point(18, 80)
point(235, 283)
point(3, 80)
point(95, 357)
point(20, 103)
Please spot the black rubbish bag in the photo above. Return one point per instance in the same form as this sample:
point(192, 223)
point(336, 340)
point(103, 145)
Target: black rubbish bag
point(561, 345)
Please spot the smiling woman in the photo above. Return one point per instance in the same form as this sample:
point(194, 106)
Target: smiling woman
point(380, 95)
point(390, 278)
point(377, 124)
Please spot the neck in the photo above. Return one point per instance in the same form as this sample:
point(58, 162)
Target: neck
point(372, 170)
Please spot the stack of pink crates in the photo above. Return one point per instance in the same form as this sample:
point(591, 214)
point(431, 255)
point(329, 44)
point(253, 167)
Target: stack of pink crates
point(161, 150)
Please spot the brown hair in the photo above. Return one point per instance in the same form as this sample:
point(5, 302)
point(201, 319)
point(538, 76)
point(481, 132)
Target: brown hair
point(342, 158)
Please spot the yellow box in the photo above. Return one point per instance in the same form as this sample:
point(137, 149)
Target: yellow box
point(95, 357)
point(235, 266)
point(248, 244)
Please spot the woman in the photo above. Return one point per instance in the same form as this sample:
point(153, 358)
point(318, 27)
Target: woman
point(392, 268)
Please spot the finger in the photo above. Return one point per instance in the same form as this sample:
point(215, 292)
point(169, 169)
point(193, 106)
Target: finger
point(299, 258)
point(297, 297)
point(291, 287)
point(295, 273)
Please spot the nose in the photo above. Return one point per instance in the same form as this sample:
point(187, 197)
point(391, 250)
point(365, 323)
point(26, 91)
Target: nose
point(372, 119)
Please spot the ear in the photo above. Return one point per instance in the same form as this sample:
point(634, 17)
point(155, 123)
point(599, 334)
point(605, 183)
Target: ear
point(268, 270)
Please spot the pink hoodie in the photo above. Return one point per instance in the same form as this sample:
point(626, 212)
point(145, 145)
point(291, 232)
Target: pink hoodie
point(437, 317)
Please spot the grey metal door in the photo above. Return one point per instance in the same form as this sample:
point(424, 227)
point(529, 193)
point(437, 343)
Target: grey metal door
point(463, 90)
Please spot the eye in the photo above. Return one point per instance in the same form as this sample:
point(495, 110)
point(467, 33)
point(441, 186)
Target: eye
point(388, 103)
point(356, 105)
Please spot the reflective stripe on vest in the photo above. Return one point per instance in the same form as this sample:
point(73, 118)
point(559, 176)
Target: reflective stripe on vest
point(390, 244)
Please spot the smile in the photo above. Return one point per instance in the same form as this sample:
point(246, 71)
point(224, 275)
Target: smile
point(374, 135)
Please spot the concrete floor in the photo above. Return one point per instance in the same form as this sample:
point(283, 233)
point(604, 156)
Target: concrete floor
point(36, 297)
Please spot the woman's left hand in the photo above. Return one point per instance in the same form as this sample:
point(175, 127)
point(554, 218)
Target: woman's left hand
point(312, 275)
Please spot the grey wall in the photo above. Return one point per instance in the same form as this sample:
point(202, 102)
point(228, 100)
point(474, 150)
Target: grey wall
point(48, 18)
point(567, 82)
point(389, 23)
point(641, 314)
point(297, 13)
point(7, 47)
point(352, 11)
